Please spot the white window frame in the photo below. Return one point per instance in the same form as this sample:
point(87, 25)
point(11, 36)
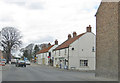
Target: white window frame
point(83, 63)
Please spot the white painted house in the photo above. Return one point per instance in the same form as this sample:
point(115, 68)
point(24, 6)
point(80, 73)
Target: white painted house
point(45, 56)
point(77, 52)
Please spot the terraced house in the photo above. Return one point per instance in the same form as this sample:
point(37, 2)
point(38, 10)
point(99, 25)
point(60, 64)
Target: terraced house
point(77, 52)
point(45, 56)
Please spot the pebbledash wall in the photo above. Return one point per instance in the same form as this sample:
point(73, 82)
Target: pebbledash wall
point(84, 49)
point(108, 40)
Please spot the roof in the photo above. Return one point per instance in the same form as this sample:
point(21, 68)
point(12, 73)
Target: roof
point(68, 42)
point(99, 8)
point(45, 49)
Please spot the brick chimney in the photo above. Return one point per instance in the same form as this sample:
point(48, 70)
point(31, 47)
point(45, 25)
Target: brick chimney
point(43, 46)
point(56, 42)
point(74, 34)
point(49, 44)
point(89, 28)
point(69, 36)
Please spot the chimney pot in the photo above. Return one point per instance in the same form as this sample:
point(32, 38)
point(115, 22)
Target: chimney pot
point(69, 36)
point(56, 42)
point(74, 34)
point(89, 28)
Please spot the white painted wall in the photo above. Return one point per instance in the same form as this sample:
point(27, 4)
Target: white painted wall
point(44, 56)
point(58, 55)
point(86, 42)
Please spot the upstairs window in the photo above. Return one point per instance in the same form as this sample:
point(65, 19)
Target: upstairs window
point(55, 52)
point(93, 49)
point(72, 48)
point(65, 52)
point(59, 52)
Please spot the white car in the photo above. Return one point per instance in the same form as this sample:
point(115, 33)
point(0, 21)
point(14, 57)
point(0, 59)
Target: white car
point(27, 62)
point(13, 61)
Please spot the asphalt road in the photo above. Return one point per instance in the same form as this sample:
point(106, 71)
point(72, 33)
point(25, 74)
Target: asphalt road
point(44, 73)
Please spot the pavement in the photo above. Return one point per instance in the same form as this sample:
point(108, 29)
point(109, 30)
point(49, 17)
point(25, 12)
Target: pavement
point(36, 72)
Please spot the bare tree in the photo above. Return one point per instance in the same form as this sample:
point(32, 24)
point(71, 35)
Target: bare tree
point(11, 39)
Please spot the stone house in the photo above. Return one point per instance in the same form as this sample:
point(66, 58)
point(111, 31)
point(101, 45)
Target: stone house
point(76, 52)
point(107, 40)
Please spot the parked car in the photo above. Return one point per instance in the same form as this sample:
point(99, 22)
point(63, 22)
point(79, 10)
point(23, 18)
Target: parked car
point(13, 61)
point(20, 63)
point(3, 62)
point(27, 62)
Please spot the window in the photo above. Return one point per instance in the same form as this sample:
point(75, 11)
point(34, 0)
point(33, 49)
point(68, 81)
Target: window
point(55, 52)
point(82, 49)
point(65, 51)
point(93, 49)
point(59, 52)
point(72, 48)
point(83, 62)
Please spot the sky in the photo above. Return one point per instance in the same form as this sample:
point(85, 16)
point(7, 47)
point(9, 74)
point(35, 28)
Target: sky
point(44, 21)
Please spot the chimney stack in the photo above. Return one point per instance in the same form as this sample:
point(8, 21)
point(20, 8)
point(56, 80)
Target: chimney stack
point(56, 42)
point(69, 36)
point(89, 28)
point(43, 46)
point(49, 44)
point(74, 34)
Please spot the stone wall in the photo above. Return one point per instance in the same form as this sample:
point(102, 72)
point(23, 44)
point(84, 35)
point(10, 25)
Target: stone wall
point(107, 40)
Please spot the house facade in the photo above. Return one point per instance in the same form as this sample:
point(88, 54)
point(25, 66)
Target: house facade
point(45, 56)
point(76, 52)
point(61, 58)
point(107, 40)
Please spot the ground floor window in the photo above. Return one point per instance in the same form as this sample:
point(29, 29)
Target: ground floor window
point(83, 62)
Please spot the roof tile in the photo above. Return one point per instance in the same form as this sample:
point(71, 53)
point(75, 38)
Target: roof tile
point(68, 42)
point(45, 49)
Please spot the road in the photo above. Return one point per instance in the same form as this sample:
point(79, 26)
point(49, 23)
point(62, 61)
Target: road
point(44, 73)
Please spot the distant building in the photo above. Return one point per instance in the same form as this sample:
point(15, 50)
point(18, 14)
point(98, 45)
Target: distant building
point(45, 56)
point(76, 52)
point(108, 40)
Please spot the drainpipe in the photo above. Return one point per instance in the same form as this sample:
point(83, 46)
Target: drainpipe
point(68, 57)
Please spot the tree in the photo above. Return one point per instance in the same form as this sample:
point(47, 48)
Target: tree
point(25, 54)
point(11, 39)
point(36, 49)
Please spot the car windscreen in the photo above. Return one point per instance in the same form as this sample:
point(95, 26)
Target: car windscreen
point(3, 60)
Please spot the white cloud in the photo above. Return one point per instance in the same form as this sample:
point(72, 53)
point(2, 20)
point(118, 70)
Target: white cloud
point(40, 20)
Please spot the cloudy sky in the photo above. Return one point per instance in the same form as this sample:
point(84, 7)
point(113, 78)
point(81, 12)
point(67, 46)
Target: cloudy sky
point(43, 21)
